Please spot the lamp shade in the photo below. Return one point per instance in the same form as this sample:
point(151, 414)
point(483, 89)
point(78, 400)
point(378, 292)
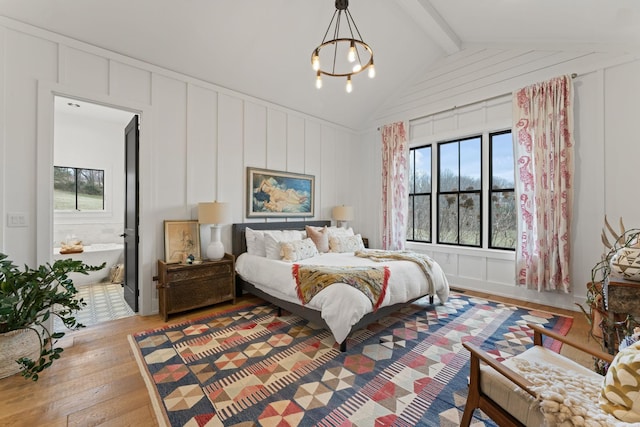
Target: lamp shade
point(342, 213)
point(214, 213)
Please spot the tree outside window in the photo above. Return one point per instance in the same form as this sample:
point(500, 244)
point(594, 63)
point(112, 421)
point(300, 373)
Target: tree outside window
point(460, 191)
point(419, 218)
point(503, 227)
point(78, 189)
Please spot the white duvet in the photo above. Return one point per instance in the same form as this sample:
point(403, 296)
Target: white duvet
point(341, 305)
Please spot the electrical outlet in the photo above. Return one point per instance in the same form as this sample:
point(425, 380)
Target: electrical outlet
point(17, 219)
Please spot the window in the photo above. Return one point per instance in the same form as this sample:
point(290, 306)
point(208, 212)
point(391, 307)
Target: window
point(502, 207)
point(78, 189)
point(460, 191)
point(419, 218)
point(460, 195)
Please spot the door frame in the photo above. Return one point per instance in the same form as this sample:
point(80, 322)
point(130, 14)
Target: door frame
point(47, 91)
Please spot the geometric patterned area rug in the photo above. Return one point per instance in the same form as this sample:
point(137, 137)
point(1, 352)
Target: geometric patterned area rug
point(249, 367)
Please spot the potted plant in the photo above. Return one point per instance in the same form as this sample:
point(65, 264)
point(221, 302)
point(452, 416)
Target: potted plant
point(28, 300)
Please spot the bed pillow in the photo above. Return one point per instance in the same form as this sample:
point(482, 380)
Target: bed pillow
point(298, 249)
point(273, 238)
point(255, 242)
point(339, 231)
point(346, 243)
point(320, 237)
point(620, 394)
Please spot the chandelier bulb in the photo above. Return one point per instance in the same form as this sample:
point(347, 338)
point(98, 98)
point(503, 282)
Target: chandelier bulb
point(352, 52)
point(372, 71)
point(315, 60)
point(349, 85)
point(318, 80)
point(357, 68)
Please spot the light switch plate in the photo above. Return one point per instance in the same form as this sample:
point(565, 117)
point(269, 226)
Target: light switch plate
point(17, 219)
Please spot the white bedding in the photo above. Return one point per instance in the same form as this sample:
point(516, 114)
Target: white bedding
point(341, 305)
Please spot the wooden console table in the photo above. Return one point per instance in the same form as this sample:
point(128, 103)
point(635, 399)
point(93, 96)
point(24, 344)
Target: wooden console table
point(183, 287)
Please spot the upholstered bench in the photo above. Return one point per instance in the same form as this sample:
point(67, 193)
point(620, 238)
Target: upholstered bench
point(510, 399)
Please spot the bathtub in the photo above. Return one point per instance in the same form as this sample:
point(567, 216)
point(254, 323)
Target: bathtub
point(95, 254)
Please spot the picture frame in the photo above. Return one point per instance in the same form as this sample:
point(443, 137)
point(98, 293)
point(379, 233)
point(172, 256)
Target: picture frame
point(272, 193)
point(181, 239)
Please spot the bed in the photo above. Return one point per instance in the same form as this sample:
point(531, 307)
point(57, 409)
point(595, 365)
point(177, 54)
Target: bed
point(339, 308)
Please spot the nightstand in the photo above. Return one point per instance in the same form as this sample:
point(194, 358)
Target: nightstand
point(183, 287)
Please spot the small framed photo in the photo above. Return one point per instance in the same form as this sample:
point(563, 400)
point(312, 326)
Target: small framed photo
point(279, 194)
point(181, 239)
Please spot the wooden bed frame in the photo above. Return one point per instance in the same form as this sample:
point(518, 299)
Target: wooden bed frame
point(239, 244)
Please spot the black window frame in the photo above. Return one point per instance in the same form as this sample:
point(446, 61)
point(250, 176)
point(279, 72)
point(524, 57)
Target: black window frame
point(76, 175)
point(501, 190)
point(458, 193)
point(412, 195)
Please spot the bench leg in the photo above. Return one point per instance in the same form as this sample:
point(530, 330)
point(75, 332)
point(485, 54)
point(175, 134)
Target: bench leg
point(473, 396)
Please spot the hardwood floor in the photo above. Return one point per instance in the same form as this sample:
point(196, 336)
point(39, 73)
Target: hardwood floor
point(97, 381)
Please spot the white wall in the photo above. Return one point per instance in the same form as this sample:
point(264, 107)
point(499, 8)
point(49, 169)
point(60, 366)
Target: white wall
point(196, 141)
point(87, 142)
point(470, 92)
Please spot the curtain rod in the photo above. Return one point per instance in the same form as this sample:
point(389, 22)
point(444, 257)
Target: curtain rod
point(573, 76)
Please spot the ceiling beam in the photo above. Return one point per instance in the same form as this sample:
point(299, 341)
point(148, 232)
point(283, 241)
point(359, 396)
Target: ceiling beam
point(428, 18)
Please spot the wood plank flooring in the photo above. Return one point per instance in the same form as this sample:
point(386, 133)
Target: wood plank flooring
point(97, 381)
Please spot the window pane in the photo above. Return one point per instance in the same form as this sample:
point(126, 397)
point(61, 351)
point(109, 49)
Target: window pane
point(470, 219)
point(90, 189)
point(503, 220)
point(448, 218)
point(448, 178)
point(423, 169)
point(502, 175)
point(64, 188)
point(411, 171)
point(470, 164)
point(410, 231)
point(423, 218)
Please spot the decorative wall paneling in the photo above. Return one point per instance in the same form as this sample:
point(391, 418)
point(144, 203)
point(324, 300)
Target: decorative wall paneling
point(196, 140)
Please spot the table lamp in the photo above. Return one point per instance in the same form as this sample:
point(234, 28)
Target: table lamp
point(342, 214)
point(216, 214)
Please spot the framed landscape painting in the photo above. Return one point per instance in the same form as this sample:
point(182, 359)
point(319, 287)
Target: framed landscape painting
point(181, 239)
point(279, 194)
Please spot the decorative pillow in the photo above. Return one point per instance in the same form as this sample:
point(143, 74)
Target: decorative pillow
point(298, 249)
point(346, 243)
point(255, 242)
point(320, 237)
point(620, 395)
point(273, 238)
point(339, 231)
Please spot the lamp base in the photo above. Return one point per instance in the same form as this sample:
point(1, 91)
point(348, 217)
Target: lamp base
point(343, 224)
point(215, 250)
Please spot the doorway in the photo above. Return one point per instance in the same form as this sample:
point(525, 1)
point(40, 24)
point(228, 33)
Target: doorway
point(89, 145)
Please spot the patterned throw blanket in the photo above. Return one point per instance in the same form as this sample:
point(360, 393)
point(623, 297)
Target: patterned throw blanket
point(424, 261)
point(371, 281)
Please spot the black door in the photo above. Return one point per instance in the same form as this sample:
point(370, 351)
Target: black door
point(131, 144)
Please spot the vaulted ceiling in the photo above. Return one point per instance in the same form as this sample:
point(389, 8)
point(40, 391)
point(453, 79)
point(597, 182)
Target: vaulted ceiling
point(262, 48)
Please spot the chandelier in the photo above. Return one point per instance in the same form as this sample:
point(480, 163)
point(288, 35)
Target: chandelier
point(344, 55)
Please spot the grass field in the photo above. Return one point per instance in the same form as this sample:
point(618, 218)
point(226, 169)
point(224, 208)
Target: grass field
point(66, 201)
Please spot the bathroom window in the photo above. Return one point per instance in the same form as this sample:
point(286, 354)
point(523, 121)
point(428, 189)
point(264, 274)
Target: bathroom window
point(78, 189)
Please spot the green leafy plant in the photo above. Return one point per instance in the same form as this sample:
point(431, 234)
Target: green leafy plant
point(28, 299)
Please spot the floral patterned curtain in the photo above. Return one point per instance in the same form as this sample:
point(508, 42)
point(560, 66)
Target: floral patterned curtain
point(543, 147)
point(395, 170)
